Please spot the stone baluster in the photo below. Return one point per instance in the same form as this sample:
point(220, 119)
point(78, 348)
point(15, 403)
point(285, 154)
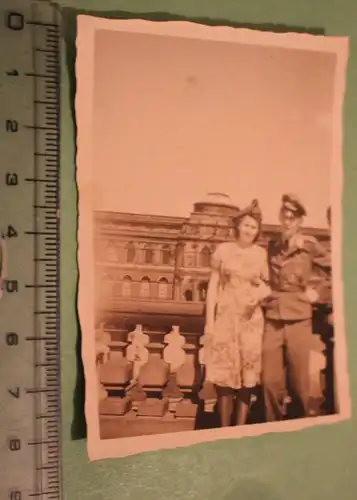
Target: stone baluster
point(207, 393)
point(174, 355)
point(188, 378)
point(117, 373)
point(102, 342)
point(137, 353)
point(153, 378)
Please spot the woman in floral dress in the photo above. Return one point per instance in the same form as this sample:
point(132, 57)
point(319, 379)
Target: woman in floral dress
point(234, 319)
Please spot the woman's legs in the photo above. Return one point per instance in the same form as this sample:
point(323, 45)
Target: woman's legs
point(242, 402)
point(231, 399)
point(225, 405)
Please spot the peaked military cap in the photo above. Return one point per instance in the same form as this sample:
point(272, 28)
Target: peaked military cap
point(293, 204)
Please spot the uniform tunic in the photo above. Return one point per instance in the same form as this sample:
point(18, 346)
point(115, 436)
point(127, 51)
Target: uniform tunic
point(233, 349)
point(290, 268)
point(288, 329)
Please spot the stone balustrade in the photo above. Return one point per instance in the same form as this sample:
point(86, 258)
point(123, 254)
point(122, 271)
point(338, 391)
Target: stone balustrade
point(152, 373)
point(146, 373)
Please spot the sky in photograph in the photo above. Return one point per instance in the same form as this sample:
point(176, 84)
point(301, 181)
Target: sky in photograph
point(175, 119)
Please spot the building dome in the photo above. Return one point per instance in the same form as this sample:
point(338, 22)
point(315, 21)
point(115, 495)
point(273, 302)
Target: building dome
point(216, 203)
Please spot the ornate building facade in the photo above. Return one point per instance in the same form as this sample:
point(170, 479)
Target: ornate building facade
point(145, 257)
point(151, 276)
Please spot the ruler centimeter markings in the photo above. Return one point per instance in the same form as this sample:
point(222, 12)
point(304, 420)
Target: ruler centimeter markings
point(30, 416)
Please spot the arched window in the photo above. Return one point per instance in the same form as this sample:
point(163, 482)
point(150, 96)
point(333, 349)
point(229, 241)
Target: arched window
point(166, 255)
point(202, 290)
point(111, 252)
point(188, 291)
point(130, 252)
point(163, 288)
point(148, 255)
point(205, 257)
point(145, 287)
point(127, 286)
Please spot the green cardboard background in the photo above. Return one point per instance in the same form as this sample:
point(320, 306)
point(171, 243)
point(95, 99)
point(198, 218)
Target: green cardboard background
point(317, 463)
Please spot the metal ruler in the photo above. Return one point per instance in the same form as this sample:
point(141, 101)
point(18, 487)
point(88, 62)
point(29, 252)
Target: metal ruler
point(30, 420)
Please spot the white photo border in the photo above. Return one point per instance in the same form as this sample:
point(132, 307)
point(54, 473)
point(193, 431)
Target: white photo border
point(87, 29)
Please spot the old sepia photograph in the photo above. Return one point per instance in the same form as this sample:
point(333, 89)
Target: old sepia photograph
point(210, 182)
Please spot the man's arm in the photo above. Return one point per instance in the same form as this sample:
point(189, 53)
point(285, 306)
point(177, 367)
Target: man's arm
point(320, 255)
point(321, 262)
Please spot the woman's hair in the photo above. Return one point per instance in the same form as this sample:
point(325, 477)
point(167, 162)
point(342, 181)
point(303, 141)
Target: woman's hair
point(252, 211)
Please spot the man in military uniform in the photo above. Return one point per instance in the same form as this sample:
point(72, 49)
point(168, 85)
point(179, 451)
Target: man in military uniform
point(288, 331)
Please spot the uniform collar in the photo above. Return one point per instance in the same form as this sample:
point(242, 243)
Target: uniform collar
point(296, 241)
